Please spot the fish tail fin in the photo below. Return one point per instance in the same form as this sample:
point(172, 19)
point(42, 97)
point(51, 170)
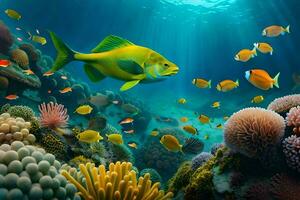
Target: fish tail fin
point(64, 53)
point(255, 45)
point(254, 52)
point(276, 80)
point(209, 84)
point(287, 29)
point(237, 82)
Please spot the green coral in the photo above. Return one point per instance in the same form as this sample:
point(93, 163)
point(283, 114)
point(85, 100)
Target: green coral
point(4, 108)
point(182, 177)
point(24, 112)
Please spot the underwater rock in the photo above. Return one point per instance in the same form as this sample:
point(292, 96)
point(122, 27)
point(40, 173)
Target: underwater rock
point(6, 39)
point(252, 131)
point(20, 57)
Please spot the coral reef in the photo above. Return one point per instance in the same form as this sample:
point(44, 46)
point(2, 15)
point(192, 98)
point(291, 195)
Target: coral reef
point(154, 175)
point(293, 119)
point(118, 152)
point(216, 147)
point(27, 172)
point(20, 57)
point(284, 187)
point(76, 161)
point(283, 104)
point(252, 131)
point(14, 129)
point(6, 39)
point(258, 191)
point(200, 159)
point(31, 52)
point(24, 112)
point(119, 182)
point(291, 149)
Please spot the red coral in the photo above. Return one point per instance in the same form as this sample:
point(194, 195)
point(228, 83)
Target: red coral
point(284, 187)
point(293, 119)
point(53, 115)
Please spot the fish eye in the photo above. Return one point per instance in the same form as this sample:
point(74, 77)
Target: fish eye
point(166, 65)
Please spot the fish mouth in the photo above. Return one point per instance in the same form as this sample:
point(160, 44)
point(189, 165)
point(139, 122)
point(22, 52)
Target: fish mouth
point(170, 71)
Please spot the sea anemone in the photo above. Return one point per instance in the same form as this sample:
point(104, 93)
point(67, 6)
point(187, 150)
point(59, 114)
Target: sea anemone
point(284, 187)
point(200, 159)
point(6, 39)
point(252, 131)
point(20, 57)
point(284, 104)
point(53, 115)
point(293, 119)
point(291, 149)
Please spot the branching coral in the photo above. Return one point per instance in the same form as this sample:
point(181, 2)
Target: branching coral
point(284, 104)
point(24, 112)
point(291, 149)
point(53, 115)
point(293, 119)
point(252, 131)
point(119, 182)
point(284, 187)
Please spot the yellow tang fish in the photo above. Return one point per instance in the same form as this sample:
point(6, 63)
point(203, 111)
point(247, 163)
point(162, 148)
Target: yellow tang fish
point(13, 14)
point(115, 138)
point(84, 110)
point(132, 145)
point(257, 99)
point(204, 119)
point(201, 83)
point(219, 126)
point(261, 79)
point(245, 55)
point(216, 104)
point(37, 39)
point(89, 136)
point(117, 58)
point(182, 101)
point(171, 143)
point(227, 85)
point(264, 47)
point(154, 132)
point(274, 31)
point(190, 129)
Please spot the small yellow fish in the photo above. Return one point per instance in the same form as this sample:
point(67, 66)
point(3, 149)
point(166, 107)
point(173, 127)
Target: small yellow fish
point(190, 129)
point(132, 145)
point(89, 136)
point(204, 119)
point(274, 31)
point(201, 83)
point(182, 101)
point(264, 47)
point(219, 126)
point(84, 110)
point(13, 14)
point(65, 90)
point(38, 39)
point(225, 118)
point(227, 85)
point(28, 72)
point(154, 132)
point(115, 138)
point(245, 55)
point(216, 105)
point(206, 137)
point(171, 143)
point(257, 99)
point(184, 119)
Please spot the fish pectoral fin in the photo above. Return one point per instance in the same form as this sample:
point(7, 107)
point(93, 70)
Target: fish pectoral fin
point(131, 67)
point(93, 74)
point(128, 85)
point(111, 42)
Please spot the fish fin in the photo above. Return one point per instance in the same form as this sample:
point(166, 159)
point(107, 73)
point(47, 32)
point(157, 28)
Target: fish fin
point(128, 85)
point(271, 53)
point(254, 52)
point(111, 42)
point(93, 74)
point(130, 66)
point(287, 29)
point(237, 82)
point(276, 80)
point(209, 84)
point(256, 45)
point(64, 53)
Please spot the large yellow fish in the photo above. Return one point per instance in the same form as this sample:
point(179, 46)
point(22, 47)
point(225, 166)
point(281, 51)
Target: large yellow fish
point(89, 136)
point(171, 143)
point(117, 58)
point(115, 138)
point(261, 79)
point(13, 14)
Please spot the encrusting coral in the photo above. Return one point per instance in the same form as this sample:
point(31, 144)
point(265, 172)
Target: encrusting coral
point(119, 182)
point(252, 131)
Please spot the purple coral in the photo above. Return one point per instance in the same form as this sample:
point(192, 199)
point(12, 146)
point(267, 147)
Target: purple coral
point(200, 159)
point(284, 104)
point(291, 149)
point(6, 39)
point(293, 119)
point(252, 131)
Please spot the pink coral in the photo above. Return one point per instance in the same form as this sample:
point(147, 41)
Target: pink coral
point(252, 131)
point(293, 119)
point(53, 115)
point(284, 104)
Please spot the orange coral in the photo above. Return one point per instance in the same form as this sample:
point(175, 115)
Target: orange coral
point(252, 131)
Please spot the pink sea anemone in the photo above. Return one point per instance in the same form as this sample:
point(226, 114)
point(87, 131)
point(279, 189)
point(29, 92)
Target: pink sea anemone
point(252, 131)
point(53, 115)
point(284, 104)
point(293, 119)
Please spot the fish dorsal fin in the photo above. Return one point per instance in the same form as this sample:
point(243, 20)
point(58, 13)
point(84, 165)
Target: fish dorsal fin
point(93, 74)
point(111, 42)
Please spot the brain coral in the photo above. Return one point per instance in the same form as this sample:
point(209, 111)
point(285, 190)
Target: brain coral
point(284, 104)
point(27, 172)
point(252, 131)
point(14, 129)
point(291, 149)
point(293, 119)
point(6, 39)
point(20, 57)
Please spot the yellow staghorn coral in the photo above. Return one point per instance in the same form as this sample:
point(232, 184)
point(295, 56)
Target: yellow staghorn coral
point(119, 182)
